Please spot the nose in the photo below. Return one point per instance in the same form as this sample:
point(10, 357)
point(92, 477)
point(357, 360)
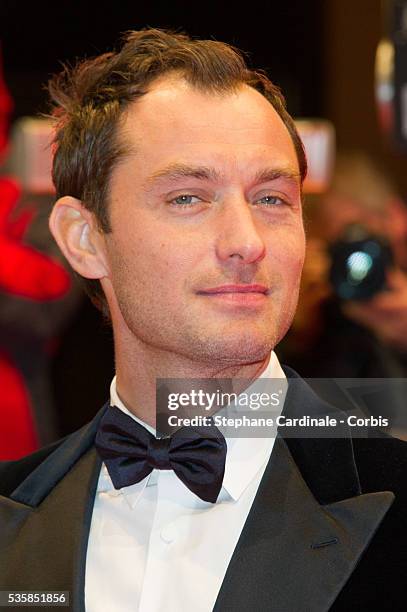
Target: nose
point(239, 238)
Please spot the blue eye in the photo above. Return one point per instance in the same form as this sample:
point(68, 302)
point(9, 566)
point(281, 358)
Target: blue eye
point(271, 201)
point(185, 200)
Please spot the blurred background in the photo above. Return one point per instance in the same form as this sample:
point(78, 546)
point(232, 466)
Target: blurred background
point(56, 359)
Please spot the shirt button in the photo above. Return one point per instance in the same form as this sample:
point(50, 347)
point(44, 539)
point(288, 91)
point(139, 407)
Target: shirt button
point(169, 533)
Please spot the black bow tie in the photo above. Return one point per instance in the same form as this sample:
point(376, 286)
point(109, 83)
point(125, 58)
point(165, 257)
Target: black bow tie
point(130, 452)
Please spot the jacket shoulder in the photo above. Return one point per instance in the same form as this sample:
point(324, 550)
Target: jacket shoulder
point(382, 464)
point(12, 473)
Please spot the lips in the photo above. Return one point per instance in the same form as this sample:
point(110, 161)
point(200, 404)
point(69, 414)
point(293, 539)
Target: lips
point(225, 289)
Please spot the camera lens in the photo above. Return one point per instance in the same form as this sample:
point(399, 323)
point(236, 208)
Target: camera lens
point(359, 261)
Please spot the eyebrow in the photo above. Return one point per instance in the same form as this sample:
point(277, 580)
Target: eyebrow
point(175, 171)
point(272, 174)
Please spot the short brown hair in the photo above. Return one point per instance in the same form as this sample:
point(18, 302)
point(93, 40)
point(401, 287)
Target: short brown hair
point(90, 97)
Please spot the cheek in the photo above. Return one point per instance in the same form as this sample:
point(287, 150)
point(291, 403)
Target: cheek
point(153, 259)
point(172, 260)
point(289, 254)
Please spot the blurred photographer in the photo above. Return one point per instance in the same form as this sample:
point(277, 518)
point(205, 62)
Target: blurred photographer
point(364, 337)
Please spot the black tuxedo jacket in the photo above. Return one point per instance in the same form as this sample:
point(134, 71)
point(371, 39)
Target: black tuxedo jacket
point(327, 529)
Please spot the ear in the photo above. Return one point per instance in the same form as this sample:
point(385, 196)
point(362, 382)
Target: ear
point(79, 238)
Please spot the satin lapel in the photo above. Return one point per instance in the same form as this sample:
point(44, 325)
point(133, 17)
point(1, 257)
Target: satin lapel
point(44, 526)
point(293, 554)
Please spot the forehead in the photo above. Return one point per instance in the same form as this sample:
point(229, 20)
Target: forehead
point(175, 119)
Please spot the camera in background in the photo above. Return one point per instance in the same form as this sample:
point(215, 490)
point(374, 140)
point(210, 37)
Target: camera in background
point(359, 263)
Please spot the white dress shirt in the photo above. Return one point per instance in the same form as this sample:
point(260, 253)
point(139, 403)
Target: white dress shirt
point(156, 546)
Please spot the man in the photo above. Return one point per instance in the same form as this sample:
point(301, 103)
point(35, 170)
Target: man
point(179, 173)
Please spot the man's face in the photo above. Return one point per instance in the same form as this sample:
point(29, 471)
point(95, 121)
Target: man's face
point(207, 240)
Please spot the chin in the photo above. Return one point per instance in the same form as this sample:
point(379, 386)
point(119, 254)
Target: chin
point(246, 347)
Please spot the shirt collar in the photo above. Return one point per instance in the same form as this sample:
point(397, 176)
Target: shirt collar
point(244, 458)
point(116, 401)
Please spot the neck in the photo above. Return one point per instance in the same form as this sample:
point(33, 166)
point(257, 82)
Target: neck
point(138, 368)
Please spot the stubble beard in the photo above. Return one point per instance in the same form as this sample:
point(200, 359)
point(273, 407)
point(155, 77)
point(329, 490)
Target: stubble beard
point(193, 335)
point(212, 346)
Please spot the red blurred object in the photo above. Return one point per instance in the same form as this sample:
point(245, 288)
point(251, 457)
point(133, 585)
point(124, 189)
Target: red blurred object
point(27, 273)
point(17, 432)
point(24, 271)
